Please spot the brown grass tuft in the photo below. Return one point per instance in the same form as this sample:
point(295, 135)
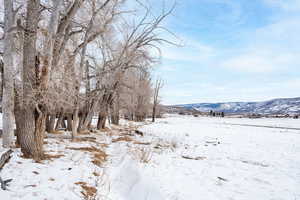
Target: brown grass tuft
point(144, 155)
point(87, 149)
point(96, 174)
point(56, 132)
point(84, 132)
point(51, 157)
point(99, 155)
point(85, 139)
point(99, 158)
point(122, 139)
point(89, 192)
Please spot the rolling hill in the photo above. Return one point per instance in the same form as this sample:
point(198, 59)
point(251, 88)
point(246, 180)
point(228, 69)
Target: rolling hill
point(275, 106)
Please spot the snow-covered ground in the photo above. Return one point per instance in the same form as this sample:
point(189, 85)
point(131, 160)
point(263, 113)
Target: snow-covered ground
point(178, 158)
point(239, 162)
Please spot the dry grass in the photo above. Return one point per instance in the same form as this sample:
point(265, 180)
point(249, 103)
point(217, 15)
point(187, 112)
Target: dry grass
point(51, 157)
point(92, 192)
point(86, 149)
point(56, 132)
point(84, 132)
point(88, 192)
point(96, 174)
point(100, 157)
point(104, 129)
point(144, 155)
point(122, 139)
point(85, 139)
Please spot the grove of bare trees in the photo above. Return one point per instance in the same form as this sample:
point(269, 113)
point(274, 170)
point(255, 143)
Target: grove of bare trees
point(65, 62)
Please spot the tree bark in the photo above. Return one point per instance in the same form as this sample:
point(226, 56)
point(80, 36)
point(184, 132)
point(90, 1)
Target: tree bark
point(101, 120)
point(60, 120)
point(153, 113)
point(89, 115)
point(32, 124)
point(69, 122)
point(75, 123)
point(51, 123)
point(8, 76)
point(31, 133)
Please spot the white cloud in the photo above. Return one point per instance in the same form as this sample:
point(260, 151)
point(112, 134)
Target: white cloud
point(269, 49)
point(260, 62)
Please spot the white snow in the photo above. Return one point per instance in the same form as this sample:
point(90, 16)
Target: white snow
point(231, 162)
point(257, 163)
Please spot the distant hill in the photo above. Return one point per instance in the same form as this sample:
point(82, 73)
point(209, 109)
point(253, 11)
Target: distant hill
point(275, 106)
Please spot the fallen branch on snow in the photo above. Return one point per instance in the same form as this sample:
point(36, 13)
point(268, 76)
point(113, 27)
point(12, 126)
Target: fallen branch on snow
point(3, 160)
point(193, 158)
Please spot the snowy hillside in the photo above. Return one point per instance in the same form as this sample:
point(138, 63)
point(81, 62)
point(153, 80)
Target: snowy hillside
point(275, 106)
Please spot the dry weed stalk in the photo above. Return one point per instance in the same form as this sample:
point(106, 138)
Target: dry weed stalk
point(144, 155)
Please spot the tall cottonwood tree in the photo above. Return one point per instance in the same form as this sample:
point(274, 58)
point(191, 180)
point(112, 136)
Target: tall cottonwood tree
point(9, 70)
point(77, 60)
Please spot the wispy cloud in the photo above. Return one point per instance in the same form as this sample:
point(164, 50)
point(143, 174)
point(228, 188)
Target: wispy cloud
point(189, 50)
point(235, 50)
point(269, 49)
point(288, 5)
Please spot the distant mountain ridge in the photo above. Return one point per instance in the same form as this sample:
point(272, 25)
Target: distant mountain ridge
point(275, 106)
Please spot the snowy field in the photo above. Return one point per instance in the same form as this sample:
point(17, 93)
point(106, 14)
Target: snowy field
point(178, 158)
point(238, 162)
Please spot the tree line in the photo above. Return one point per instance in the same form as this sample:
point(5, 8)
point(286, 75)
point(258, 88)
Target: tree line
point(71, 60)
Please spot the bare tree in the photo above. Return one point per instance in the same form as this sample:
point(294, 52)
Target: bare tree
point(78, 58)
point(30, 133)
point(9, 71)
point(157, 88)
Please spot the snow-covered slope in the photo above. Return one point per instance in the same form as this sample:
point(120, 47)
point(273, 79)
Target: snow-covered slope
point(275, 106)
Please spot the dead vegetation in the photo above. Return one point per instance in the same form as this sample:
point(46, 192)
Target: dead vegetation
point(122, 139)
point(92, 191)
point(99, 156)
point(57, 132)
point(91, 149)
point(88, 192)
point(143, 155)
point(52, 157)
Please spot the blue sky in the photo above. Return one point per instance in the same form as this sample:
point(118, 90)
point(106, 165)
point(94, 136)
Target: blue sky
point(234, 50)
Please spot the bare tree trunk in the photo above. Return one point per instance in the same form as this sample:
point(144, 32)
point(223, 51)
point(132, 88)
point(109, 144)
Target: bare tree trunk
point(101, 120)
point(8, 76)
point(31, 133)
point(89, 115)
point(51, 123)
point(153, 113)
point(115, 115)
point(158, 86)
point(63, 123)
point(75, 123)
point(32, 124)
point(69, 122)
point(60, 120)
